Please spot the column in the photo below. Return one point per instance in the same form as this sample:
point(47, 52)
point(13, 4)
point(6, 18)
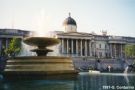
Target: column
point(94, 49)
point(6, 43)
point(77, 47)
point(115, 50)
point(67, 47)
point(62, 45)
point(0, 45)
point(81, 47)
point(85, 47)
point(90, 48)
point(121, 51)
point(72, 47)
point(110, 50)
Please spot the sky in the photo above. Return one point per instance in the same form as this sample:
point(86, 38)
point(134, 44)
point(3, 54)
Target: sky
point(117, 17)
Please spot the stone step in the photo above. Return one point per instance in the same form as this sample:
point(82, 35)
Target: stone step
point(33, 63)
point(49, 59)
point(42, 57)
point(36, 63)
point(36, 69)
point(21, 70)
point(40, 61)
point(40, 66)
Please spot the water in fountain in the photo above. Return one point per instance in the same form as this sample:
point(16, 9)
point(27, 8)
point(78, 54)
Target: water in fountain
point(1, 77)
point(126, 70)
point(109, 68)
point(25, 50)
point(125, 74)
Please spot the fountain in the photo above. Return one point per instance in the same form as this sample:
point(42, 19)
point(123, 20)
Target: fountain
point(109, 68)
point(129, 69)
point(41, 65)
point(126, 70)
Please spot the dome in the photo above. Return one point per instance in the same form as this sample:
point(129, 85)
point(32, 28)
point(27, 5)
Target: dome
point(70, 24)
point(69, 21)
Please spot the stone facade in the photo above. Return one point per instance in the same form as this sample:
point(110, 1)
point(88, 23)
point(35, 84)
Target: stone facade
point(87, 45)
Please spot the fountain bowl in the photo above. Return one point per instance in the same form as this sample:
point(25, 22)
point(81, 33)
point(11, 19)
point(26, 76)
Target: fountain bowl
point(41, 41)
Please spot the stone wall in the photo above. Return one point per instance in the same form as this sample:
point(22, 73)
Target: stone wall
point(83, 64)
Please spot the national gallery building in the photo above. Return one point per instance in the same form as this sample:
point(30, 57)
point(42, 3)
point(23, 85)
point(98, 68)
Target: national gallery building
point(89, 45)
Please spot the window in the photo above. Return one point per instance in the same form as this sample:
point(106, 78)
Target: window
point(105, 46)
point(100, 54)
point(99, 45)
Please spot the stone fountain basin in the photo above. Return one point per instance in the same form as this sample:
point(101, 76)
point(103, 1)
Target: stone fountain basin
point(41, 66)
point(41, 41)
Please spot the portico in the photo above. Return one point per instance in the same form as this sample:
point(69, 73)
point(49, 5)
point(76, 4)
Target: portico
point(116, 45)
point(76, 46)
